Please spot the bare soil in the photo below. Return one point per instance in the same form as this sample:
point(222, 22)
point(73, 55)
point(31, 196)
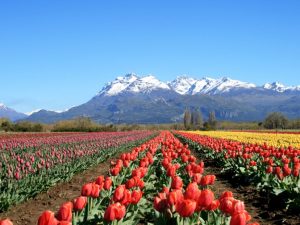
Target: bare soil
point(27, 213)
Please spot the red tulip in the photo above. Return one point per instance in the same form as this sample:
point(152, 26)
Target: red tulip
point(226, 194)
point(226, 205)
point(6, 222)
point(208, 180)
point(186, 207)
point(192, 191)
point(80, 203)
point(238, 207)
point(119, 193)
point(286, 170)
point(214, 205)
point(95, 191)
point(174, 197)
point(47, 218)
point(126, 200)
point(176, 182)
point(130, 183)
point(100, 180)
point(205, 199)
point(166, 190)
point(171, 171)
point(160, 203)
point(114, 211)
point(197, 177)
point(296, 172)
point(238, 219)
point(64, 223)
point(269, 169)
point(65, 212)
point(107, 183)
point(115, 171)
point(136, 196)
point(86, 189)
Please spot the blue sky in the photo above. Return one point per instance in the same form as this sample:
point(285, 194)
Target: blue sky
point(57, 54)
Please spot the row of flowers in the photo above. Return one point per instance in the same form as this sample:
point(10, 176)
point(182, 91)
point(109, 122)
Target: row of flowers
point(277, 140)
point(158, 182)
point(268, 131)
point(26, 172)
point(274, 170)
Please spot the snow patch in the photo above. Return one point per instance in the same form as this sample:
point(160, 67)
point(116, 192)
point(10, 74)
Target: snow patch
point(34, 111)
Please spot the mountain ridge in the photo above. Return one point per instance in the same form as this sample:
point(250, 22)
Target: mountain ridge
point(185, 85)
point(146, 99)
point(6, 112)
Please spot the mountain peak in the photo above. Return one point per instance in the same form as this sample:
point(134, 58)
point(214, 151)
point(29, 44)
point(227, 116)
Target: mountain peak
point(7, 112)
point(182, 84)
point(2, 105)
point(133, 84)
point(275, 86)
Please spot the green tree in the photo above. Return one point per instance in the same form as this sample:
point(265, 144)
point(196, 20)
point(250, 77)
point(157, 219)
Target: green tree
point(196, 119)
point(5, 124)
point(275, 120)
point(187, 119)
point(212, 121)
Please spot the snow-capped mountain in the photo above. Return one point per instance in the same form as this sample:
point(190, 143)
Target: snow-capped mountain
point(33, 111)
point(6, 112)
point(133, 84)
point(279, 87)
point(182, 84)
point(218, 86)
point(185, 85)
point(146, 99)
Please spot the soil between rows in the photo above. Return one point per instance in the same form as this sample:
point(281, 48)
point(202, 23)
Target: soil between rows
point(27, 213)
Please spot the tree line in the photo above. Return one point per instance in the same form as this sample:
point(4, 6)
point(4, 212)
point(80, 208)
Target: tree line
point(193, 120)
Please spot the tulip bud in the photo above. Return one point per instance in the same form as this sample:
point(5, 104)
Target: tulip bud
point(136, 196)
point(119, 193)
point(47, 218)
point(107, 183)
point(114, 211)
point(176, 182)
point(80, 203)
point(65, 212)
point(192, 191)
point(238, 219)
point(174, 197)
point(186, 207)
point(100, 180)
point(86, 189)
point(206, 198)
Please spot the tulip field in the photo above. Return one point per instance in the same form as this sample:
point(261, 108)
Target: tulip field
point(31, 163)
point(272, 167)
point(277, 139)
point(156, 181)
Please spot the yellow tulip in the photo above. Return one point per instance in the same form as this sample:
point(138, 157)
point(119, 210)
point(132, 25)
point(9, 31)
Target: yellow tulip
point(271, 139)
